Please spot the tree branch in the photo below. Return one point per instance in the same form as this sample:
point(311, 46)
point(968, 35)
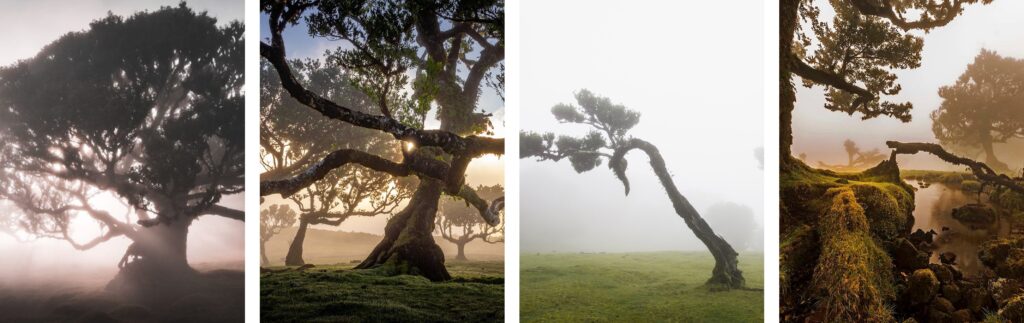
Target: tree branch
point(226, 212)
point(981, 170)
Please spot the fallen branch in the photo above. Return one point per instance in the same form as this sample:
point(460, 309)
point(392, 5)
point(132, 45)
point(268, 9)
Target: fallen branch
point(980, 170)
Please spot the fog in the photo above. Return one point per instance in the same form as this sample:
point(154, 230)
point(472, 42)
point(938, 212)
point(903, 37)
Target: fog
point(948, 50)
point(213, 241)
point(696, 79)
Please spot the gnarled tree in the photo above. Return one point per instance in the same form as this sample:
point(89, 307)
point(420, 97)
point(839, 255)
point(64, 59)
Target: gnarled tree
point(273, 219)
point(460, 223)
point(293, 137)
point(147, 109)
point(854, 55)
point(983, 107)
point(451, 49)
point(607, 140)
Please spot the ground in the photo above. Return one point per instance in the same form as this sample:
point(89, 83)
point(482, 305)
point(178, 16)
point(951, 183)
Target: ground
point(338, 294)
point(221, 298)
point(635, 287)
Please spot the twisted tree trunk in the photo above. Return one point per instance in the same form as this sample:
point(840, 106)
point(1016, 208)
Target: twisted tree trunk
point(294, 257)
point(726, 273)
point(155, 266)
point(408, 246)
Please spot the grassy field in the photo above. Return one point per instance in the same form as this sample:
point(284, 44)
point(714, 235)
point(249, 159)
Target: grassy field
point(338, 294)
point(634, 287)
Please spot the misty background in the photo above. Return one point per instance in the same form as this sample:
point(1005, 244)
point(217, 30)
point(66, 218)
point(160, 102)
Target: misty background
point(696, 79)
point(948, 50)
point(213, 241)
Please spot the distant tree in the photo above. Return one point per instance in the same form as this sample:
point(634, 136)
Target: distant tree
point(460, 222)
point(759, 155)
point(273, 219)
point(147, 108)
point(857, 158)
point(294, 137)
point(983, 107)
point(855, 54)
point(607, 140)
point(736, 223)
point(411, 58)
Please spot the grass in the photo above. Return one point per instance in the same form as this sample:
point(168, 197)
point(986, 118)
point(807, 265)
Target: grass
point(637, 287)
point(339, 294)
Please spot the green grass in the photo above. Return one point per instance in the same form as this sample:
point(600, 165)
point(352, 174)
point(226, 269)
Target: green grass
point(339, 294)
point(635, 287)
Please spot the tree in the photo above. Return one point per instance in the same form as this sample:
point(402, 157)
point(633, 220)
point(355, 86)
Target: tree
point(857, 158)
point(273, 219)
point(460, 224)
point(855, 55)
point(983, 106)
point(607, 140)
point(736, 224)
point(293, 137)
point(147, 109)
point(451, 49)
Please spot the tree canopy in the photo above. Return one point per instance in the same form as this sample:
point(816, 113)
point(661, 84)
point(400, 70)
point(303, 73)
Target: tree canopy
point(984, 106)
point(460, 223)
point(855, 55)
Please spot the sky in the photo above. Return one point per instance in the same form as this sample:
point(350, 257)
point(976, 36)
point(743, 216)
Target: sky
point(487, 170)
point(25, 28)
point(694, 75)
point(947, 52)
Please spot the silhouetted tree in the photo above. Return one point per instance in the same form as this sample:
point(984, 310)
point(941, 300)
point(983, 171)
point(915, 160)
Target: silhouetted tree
point(857, 158)
point(445, 51)
point(293, 137)
point(460, 223)
point(147, 108)
point(273, 219)
point(983, 107)
point(854, 55)
point(607, 140)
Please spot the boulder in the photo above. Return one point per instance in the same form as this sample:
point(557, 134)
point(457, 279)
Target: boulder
point(951, 292)
point(943, 305)
point(922, 286)
point(975, 216)
point(947, 257)
point(906, 257)
point(962, 316)
point(942, 273)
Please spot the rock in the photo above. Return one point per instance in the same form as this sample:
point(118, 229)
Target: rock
point(951, 292)
point(941, 272)
point(944, 229)
point(1013, 311)
point(920, 236)
point(975, 216)
point(935, 315)
point(943, 305)
point(975, 300)
point(962, 316)
point(947, 257)
point(907, 258)
point(922, 286)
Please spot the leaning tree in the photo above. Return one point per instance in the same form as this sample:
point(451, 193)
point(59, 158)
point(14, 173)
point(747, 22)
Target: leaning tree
point(607, 140)
point(273, 219)
point(146, 109)
point(460, 224)
point(412, 58)
point(293, 137)
point(983, 107)
point(855, 55)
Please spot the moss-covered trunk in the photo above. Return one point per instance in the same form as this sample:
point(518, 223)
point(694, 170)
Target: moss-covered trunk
point(294, 257)
point(408, 246)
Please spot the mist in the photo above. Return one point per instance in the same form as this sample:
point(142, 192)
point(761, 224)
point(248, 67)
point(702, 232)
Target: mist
point(819, 133)
point(706, 119)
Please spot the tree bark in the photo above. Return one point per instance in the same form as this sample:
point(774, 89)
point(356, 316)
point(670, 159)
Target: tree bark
point(294, 257)
point(462, 251)
point(726, 273)
point(990, 155)
point(408, 246)
point(788, 21)
point(155, 266)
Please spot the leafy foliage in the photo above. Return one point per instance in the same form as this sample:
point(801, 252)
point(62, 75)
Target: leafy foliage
point(984, 106)
point(148, 107)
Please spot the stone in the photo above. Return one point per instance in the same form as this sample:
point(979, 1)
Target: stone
point(944, 305)
point(962, 316)
point(947, 257)
point(906, 257)
point(922, 286)
point(975, 216)
point(951, 292)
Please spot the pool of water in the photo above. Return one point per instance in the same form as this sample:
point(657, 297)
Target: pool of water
point(934, 211)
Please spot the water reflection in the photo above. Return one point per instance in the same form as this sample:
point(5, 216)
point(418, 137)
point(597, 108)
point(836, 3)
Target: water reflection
point(933, 210)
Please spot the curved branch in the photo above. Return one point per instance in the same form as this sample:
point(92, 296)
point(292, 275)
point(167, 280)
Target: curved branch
point(488, 211)
point(981, 170)
point(799, 67)
point(226, 212)
point(884, 10)
point(286, 187)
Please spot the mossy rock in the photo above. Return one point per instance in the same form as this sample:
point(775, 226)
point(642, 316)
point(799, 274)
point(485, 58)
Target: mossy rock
point(1004, 256)
point(922, 286)
point(1013, 311)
